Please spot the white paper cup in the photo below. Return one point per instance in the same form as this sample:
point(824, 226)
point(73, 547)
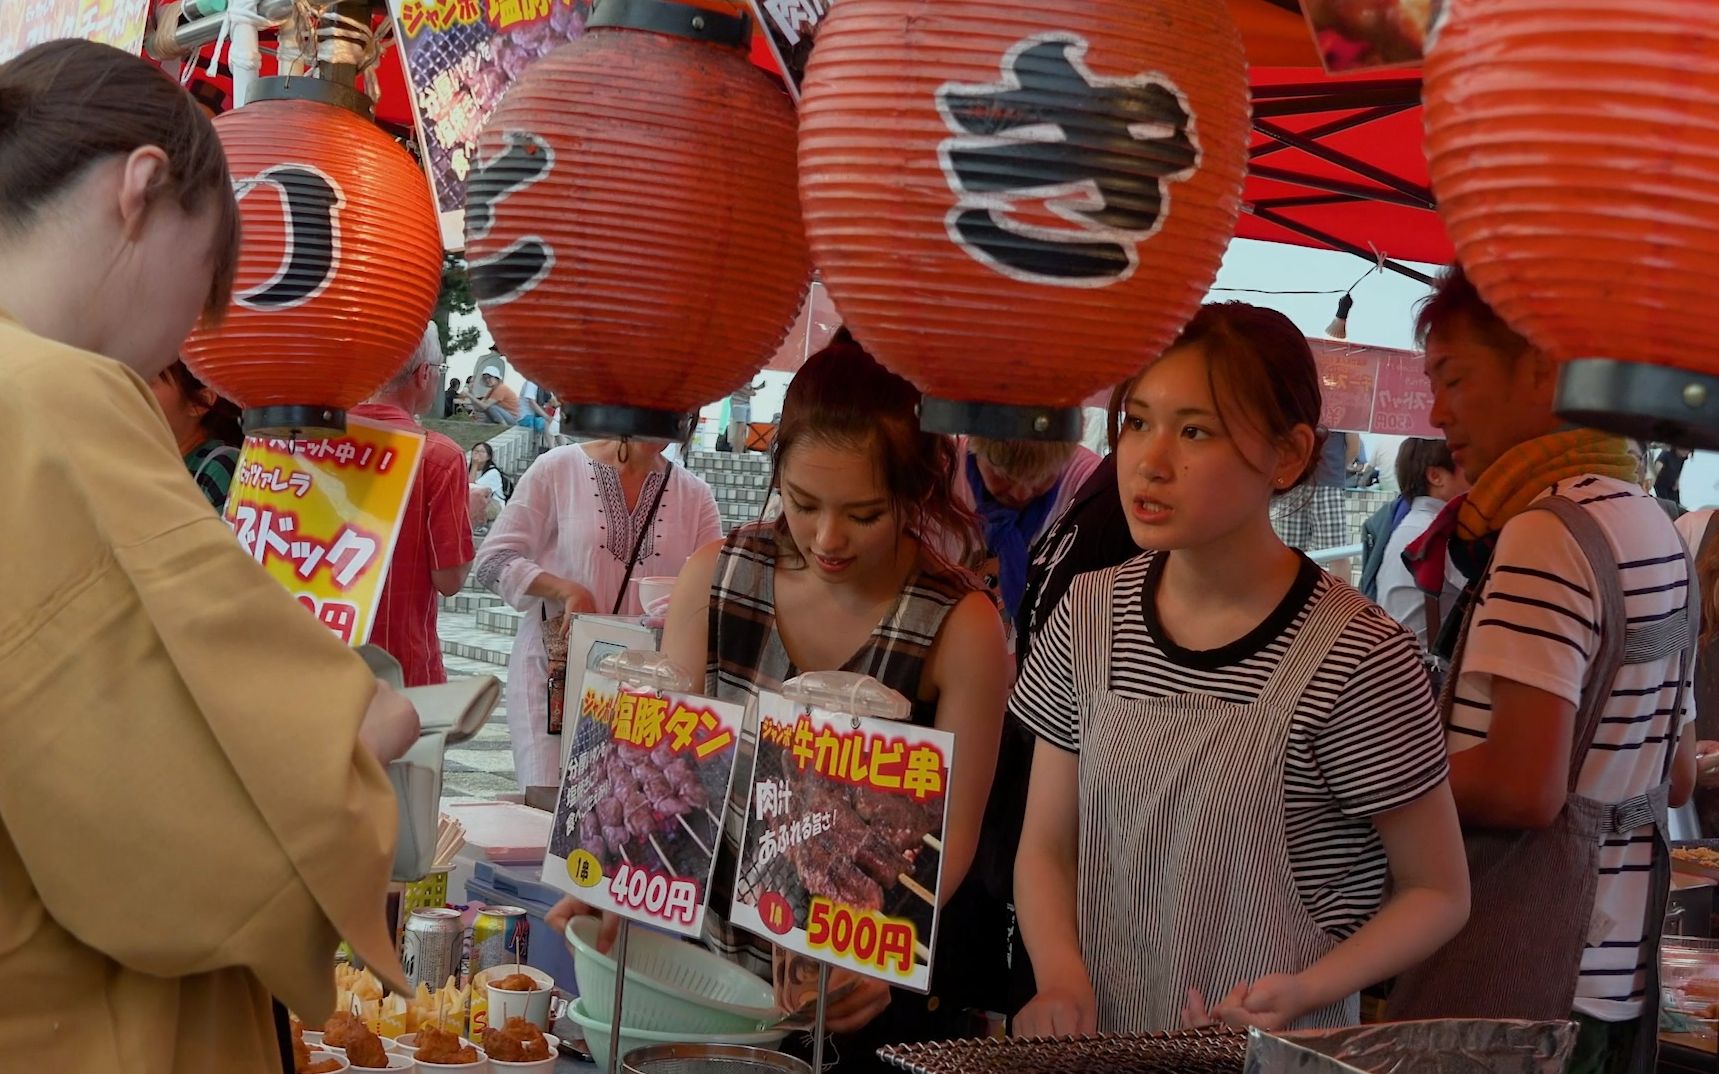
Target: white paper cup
point(532, 1006)
point(536, 1066)
point(320, 1056)
point(654, 594)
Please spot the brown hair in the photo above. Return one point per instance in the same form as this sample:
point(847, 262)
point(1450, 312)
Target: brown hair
point(222, 421)
point(1027, 461)
point(1416, 455)
point(1706, 555)
point(1455, 301)
point(1261, 371)
point(67, 104)
point(843, 398)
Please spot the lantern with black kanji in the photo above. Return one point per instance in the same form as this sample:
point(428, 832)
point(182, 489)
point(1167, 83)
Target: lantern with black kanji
point(1574, 149)
point(340, 259)
point(632, 225)
point(1014, 203)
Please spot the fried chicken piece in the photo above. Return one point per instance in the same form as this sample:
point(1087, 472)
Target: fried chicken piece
point(440, 1046)
point(300, 1050)
point(343, 1028)
point(321, 1066)
point(367, 1052)
point(516, 982)
point(517, 1042)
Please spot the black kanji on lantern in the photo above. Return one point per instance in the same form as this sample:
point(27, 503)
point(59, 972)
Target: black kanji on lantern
point(524, 262)
point(310, 208)
point(1096, 153)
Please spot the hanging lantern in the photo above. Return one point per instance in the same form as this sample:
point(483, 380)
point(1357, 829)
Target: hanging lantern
point(632, 226)
point(1015, 203)
point(1574, 149)
point(340, 260)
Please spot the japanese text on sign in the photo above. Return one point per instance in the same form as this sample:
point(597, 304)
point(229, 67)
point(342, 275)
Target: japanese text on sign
point(322, 516)
point(880, 762)
point(862, 936)
point(656, 894)
point(646, 721)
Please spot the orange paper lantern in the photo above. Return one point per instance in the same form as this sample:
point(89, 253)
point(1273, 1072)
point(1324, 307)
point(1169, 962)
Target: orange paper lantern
point(1574, 149)
point(340, 260)
point(632, 226)
point(1014, 203)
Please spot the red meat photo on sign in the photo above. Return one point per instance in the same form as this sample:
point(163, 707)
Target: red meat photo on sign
point(842, 855)
point(639, 815)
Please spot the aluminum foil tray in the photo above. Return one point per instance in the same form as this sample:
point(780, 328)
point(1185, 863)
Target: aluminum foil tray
point(1194, 1051)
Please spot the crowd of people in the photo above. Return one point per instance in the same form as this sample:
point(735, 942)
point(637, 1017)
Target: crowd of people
point(1200, 779)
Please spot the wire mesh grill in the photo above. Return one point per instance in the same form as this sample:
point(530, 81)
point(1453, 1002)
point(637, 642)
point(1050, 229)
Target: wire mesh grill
point(1194, 1051)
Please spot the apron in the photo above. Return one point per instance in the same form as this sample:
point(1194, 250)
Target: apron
point(1185, 875)
point(1532, 891)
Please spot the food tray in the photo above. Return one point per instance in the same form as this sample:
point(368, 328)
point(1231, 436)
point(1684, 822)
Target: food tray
point(1690, 868)
point(1193, 1051)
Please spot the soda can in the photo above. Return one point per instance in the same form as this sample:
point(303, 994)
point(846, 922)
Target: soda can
point(430, 951)
point(500, 937)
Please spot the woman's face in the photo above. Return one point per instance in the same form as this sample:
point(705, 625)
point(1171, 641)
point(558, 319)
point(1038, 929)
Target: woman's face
point(162, 280)
point(1187, 478)
point(480, 456)
point(839, 511)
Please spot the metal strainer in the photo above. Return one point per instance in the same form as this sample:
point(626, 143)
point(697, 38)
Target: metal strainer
point(710, 1059)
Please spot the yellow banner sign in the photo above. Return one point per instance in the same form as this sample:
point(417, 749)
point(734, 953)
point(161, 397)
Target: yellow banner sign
point(25, 23)
point(322, 516)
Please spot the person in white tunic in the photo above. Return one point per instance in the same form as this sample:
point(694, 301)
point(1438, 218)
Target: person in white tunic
point(562, 545)
point(1428, 478)
point(1239, 807)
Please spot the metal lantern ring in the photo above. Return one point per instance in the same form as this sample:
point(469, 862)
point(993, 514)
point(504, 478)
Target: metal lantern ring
point(339, 265)
point(632, 225)
point(1574, 149)
point(1016, 203)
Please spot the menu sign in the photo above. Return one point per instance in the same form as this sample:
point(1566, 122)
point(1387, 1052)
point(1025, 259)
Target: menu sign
point(1346, 382)
point(841, 860)
point(27, 23)
point(460, 56)
point(639, 816)
point(791, 25)
point(1402, 402)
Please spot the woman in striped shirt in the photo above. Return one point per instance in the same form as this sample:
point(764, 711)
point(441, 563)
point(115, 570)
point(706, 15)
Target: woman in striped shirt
point(1236, 751)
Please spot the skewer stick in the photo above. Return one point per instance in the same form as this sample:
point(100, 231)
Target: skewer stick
point(682, 818)
point(714, 819)
point(922, 952)
point(656, 846)
point(908, 882)
point(933, 842)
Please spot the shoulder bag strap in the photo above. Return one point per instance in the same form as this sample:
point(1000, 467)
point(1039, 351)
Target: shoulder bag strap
point(639, 541)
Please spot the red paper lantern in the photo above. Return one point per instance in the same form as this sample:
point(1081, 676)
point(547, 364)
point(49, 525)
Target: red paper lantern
point(632, 226)
point(340, 261)
point(1014, 203)
point(1574, 149)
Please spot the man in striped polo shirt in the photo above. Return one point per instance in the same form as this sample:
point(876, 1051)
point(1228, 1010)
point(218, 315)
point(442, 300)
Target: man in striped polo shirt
point(1556, 747)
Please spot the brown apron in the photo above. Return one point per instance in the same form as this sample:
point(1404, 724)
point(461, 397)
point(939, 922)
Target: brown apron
point(1185, 879)
point(1532, 891)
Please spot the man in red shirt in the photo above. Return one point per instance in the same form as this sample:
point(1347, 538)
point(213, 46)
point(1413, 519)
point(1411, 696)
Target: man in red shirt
point(435, 546)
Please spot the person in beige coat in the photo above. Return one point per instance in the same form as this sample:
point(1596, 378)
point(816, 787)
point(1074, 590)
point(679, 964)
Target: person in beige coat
point(192, 813)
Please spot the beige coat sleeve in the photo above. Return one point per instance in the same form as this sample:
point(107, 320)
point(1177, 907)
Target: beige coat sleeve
point(191, 793)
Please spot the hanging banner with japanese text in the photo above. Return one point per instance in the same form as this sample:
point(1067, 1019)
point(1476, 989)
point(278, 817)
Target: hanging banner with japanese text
point(791, 26)
point(322, 517)
point(25, 24)
point(842, 856)
point(459, 57)
point(639, 816)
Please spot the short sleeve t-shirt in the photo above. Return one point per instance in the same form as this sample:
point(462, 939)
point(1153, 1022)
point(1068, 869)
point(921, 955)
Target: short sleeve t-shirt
point(1365, 738)
point(1536, 623)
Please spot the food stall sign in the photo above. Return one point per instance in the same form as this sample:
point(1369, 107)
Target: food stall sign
point(841, 860)
point(323, 517)
point(638, 819)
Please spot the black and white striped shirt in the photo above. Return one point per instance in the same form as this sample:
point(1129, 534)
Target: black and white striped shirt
point(1536, 624)
point(1366, 736)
